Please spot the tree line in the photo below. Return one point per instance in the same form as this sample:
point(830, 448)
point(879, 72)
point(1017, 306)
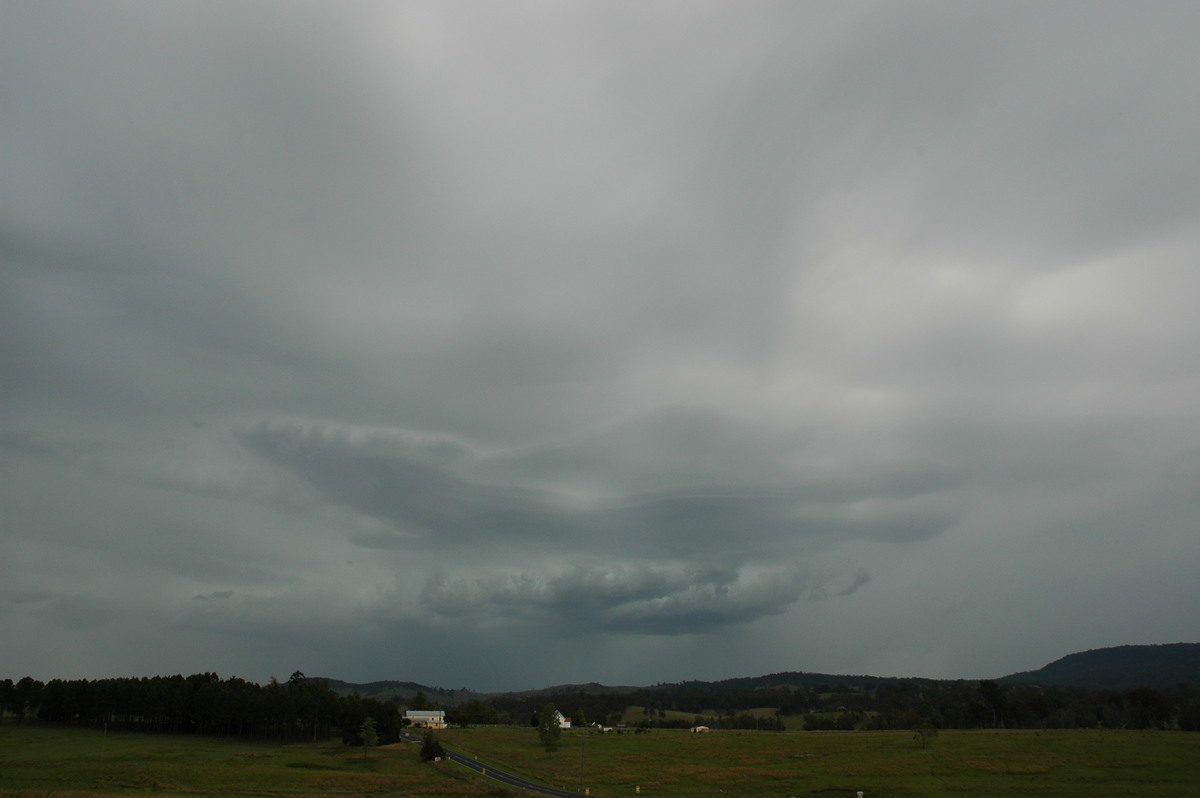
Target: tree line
point(203, 703)
point(880, 704)
point(308, 709)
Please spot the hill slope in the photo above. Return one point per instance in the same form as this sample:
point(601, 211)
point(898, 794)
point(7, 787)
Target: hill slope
point(1120, 668)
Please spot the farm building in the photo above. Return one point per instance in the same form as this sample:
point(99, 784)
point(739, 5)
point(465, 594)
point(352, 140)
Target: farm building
point(426, 718)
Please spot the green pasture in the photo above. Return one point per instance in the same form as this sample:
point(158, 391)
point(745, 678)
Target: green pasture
point(40, 761)
point(729, 763)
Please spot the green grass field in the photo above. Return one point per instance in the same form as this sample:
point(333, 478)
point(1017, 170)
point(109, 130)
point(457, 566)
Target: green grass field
point(41, 760)
point(68, 763)
point(678, 763)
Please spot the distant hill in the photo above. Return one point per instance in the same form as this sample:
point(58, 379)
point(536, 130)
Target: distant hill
point(404, 691)
point(591, 688)
point(392, 690)
point(790, 680)
point(1121, 668)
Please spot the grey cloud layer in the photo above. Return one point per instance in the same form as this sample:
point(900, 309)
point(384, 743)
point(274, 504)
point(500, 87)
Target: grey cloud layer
point(420, 487)
point(348, 326)
point(423, 488)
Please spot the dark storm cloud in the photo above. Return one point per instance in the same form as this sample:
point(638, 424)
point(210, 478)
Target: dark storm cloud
point(588, 599)
point(398, 482)
point(416, 483)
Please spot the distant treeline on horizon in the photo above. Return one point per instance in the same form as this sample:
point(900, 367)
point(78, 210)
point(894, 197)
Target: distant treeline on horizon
point(310, 709)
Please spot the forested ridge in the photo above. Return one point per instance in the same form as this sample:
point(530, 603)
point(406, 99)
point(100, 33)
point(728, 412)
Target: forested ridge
point(1120, 668)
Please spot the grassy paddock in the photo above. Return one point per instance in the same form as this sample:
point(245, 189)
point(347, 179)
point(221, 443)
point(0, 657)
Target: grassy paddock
point(729, 763)
point(41, 760)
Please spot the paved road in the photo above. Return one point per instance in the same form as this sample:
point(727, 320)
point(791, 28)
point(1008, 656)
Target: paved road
point(494, 773)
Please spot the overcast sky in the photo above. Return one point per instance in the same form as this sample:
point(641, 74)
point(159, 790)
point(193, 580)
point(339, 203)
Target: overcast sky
point(502, 345)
